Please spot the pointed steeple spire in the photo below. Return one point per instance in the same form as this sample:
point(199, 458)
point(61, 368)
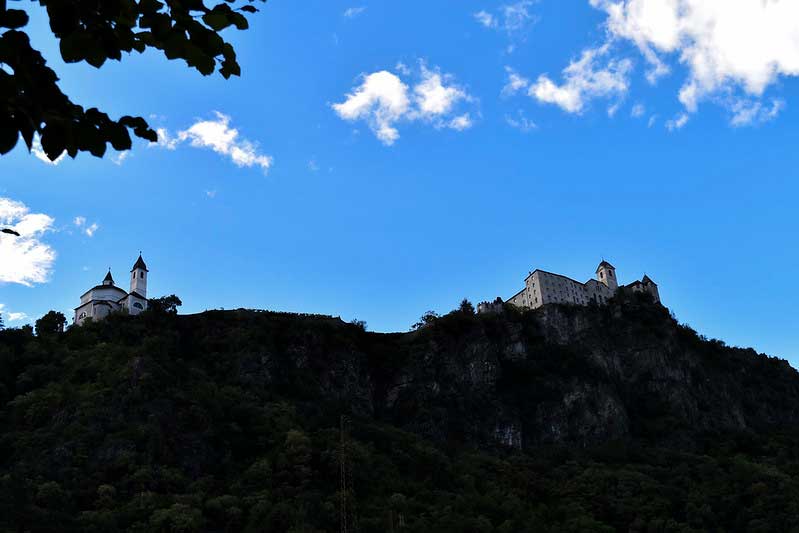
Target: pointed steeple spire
point(139, 264)
point(109, 280)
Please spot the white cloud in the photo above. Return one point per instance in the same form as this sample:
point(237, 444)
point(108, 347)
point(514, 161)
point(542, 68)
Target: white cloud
point(25, 259)
point(486, 19)
point(219, 137)
point(383, 100)
point(210, 194)
point(584, 80)
point(433, 97)
point(748, 112)
point(651, 121)
point(515, 82)
point(517, 15)
point(120, 157)
point(727, 46)
point(89, 230)
point(677, 122)
point(353, 12)
point(513, 18)
point(520, 122)
point(638, 111)
point(313, 166)
point(10, 316)
point(222, 139)
point(402, 68)
point(460, 123)
point(165, 140)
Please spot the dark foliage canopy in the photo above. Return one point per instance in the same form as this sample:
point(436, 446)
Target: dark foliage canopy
point(51, 323)
point(31, 102)
point(231, 421)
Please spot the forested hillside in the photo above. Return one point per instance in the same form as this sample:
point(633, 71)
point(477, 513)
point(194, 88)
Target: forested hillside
point(562, 419)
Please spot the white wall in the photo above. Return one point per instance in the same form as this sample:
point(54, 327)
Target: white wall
point(139, 283)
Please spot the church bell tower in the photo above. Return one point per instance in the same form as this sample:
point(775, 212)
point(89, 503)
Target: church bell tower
point(138, 279)
point(606, 274)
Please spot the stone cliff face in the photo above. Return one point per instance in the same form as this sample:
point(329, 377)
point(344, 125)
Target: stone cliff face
point(555, 375)
point(578, 376)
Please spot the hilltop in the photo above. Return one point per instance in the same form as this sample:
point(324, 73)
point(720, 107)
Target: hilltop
point(562, 418)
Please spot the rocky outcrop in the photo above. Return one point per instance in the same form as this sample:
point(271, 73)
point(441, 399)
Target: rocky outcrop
point(554, 375)
point(581, 375)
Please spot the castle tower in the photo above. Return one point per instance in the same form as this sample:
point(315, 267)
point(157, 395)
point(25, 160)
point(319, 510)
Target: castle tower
point(138, 279)
point(651, 287)
point(606, 274)
point(108, 279)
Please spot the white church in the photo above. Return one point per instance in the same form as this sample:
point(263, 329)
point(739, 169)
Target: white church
point(106, 298)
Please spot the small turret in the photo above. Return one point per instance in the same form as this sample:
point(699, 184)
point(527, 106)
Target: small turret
point(606, 274)
point(138, 279)
point(108, 280)
point(651, 287)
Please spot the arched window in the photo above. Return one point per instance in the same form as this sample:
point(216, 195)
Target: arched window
point(137, 305)
point(141, 274)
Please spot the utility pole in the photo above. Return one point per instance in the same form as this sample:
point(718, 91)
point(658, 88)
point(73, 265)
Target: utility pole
point(342, 455)
point(347, 509)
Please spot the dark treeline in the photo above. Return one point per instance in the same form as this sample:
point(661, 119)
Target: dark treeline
point(232, 421)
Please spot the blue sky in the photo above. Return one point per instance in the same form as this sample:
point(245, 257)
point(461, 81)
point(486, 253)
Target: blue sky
point(400, 157)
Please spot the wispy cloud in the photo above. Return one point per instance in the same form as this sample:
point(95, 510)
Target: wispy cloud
point(678, 122)
point(10, 316)
point(746, 112)
point(383, 100)
point(218, 136)
point(486, 19)
point(120, 157)
point(166, 140)
point(26, 259)
point(515, 19)
point(460, 123)
point(515, 82)
point(520, 122)
point(352, 12)
point(90, 230)
point(591, 76)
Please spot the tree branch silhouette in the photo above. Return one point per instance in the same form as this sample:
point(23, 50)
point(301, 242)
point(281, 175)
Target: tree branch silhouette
point(31, 102)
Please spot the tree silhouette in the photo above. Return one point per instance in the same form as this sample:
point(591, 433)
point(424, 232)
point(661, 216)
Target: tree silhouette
point(52, 323)
point(31, 103)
